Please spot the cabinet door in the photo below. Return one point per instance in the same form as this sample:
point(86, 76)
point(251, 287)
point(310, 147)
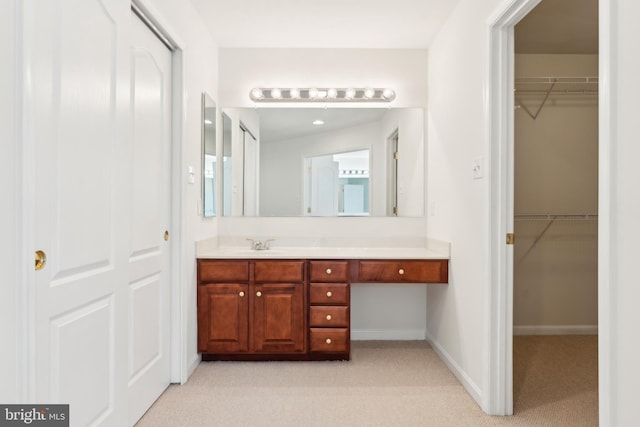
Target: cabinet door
point(223, 318)
point(279, 321)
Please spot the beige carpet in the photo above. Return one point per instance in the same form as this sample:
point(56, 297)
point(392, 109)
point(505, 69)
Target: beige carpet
point(385, 384)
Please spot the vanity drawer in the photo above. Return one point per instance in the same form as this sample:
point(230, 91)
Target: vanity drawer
point(330, 317)
point(329, 340)
point(222, 271)
point(410, 271)
point(279, 271)
point(329, 293)
point(328, 271)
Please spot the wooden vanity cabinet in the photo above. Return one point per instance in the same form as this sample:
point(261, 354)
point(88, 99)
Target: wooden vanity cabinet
point(259, 317)
point(279, 315)
point(329, 310)
point(290, 309)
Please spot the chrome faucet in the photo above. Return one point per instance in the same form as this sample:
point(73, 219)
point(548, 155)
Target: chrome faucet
point(258, 245)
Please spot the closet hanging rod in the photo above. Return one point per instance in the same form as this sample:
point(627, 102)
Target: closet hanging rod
point(559, 80)
point(551, 217)
point(556, 92)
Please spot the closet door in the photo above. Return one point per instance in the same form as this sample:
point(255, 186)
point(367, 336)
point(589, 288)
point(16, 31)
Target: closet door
point(77, 193)
point(148, 326)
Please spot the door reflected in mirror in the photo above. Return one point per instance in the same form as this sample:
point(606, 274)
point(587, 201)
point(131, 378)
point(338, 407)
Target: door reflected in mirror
point(337, 184)
point(209, 161)
point(289, 141)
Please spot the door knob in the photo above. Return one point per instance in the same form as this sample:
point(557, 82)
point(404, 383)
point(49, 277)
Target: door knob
point(166, 235)
point(41, 259)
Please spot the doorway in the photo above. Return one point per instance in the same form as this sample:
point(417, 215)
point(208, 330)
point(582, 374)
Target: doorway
point(500, 101)
point(555, 277)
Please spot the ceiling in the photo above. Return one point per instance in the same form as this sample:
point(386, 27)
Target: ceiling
point(554, 26)
point(397, 24)
point(559, 27)
point(277, 124)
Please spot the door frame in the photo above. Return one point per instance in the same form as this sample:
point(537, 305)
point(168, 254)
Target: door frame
point(499, 78)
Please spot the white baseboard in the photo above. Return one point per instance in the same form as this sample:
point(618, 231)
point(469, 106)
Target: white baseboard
point(191, 367)
point(388, 334)
point(555, 330)
point(466, 381)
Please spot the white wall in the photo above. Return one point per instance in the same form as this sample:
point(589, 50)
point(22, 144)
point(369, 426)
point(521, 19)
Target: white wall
point(620, 204)
point(556, 172)
point(458, 204)
point(9, 178)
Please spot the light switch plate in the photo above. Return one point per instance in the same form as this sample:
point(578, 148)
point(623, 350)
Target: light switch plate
point(478, 168)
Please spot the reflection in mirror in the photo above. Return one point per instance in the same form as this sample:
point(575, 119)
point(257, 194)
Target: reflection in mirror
point(337, 184)
point(226, 165)
point(290, 140)
point(208, 156)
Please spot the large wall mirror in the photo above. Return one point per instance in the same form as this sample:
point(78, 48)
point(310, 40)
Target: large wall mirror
point(209, 163)
point(337, 161)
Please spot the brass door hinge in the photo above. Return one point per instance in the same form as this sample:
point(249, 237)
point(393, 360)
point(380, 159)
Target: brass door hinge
point(511, 238)
point(308, 210)
point(396, 156)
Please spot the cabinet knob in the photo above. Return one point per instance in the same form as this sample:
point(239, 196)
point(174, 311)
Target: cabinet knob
point(329, 294)
point(258, 294)
point(241, 293)
point(329, 271)
point(328, 340)
point(328, 317)
point(401, 271)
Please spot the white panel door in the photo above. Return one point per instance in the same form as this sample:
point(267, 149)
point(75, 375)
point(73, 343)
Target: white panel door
point(76, 198)
point(149, 254)
point(324, 186)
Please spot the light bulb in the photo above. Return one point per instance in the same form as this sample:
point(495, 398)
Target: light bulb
point(388, 94)
point(369, 93)
point(276, 93)
point(294, 93)
point(313, 93)
point(318, 122)
point(349, 93)
point(256, 93)
point(332, 93)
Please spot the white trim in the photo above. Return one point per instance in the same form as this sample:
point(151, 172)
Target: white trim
point(388, 334)
point(555, 330)
point(498, 359)
point(607, 324)
point(191, 366)
point(466, 381)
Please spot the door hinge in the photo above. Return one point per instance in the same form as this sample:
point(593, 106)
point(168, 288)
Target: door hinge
point(511, 238)
point(395, 210)
point(396, 156)
point(308, 210)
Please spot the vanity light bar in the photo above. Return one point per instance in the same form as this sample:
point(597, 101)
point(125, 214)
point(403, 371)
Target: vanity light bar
point(322, 95)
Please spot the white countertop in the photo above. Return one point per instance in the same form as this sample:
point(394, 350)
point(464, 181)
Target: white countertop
point(320, 253)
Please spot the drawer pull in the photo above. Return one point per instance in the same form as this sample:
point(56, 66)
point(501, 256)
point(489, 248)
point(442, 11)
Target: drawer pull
point(241, 293)
point(258, 294)
point(329, 294)
point(328, 271)
point(328, 317)
point(401, 271)
point(328, 340)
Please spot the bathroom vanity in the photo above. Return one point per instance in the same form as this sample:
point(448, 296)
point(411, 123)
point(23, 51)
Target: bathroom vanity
point(294, 304)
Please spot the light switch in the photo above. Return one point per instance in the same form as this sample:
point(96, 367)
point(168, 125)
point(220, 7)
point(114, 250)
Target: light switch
point(478, 168)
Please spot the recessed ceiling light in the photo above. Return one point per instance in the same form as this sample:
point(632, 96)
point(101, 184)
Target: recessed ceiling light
point(318, 122)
